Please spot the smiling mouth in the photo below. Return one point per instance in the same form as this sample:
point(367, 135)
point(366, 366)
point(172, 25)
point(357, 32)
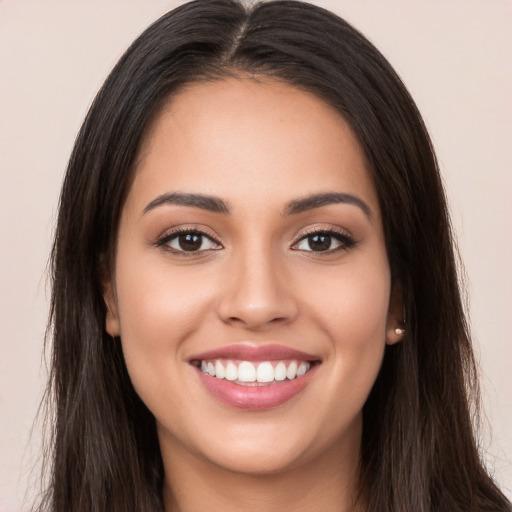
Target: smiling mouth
point(255, 377)
point(251, 373)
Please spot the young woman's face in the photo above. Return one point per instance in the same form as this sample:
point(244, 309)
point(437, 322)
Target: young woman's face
point(251, 250)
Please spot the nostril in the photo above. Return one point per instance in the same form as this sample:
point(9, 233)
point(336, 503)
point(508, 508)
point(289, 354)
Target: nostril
point(254, 321)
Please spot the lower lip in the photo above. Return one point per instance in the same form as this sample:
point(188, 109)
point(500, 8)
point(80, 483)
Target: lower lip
point(255, 397)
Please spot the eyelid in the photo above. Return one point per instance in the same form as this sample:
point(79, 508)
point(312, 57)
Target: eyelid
point(172, 233)
point(343, 236)
point(326, 228)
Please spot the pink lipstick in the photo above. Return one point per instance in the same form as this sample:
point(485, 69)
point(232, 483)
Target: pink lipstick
point(255, 377)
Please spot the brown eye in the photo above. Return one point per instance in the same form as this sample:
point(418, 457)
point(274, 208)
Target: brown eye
point(324, 241)
point(189, 242)
point(319, 242)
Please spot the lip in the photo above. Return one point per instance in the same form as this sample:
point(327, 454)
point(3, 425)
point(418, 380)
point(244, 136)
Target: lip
point(255, 397)
point(255, 353)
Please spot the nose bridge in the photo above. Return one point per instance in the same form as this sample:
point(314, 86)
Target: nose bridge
point(256, 293)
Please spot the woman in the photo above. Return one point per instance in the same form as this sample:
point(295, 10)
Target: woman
point(255, 298)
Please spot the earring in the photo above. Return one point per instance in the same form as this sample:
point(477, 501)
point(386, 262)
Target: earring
point(399, 332)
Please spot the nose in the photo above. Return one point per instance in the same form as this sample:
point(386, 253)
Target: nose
point(257, 294)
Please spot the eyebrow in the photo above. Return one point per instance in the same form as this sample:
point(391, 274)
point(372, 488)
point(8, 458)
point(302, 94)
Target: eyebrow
point(217, 205)
point(209, 203)
point(319, 200)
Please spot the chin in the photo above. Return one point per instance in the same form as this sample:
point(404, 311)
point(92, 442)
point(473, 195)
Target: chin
point(259, 461)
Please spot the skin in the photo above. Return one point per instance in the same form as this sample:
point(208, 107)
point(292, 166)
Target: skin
point(257, 145)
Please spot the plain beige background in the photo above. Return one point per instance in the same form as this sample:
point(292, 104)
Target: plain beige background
point(455, 57)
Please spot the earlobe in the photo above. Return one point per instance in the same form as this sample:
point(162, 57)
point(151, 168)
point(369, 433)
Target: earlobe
point(394, 335)
point(395, 328)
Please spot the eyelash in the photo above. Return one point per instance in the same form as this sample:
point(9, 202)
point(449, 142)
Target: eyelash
point(164, 240)
point(345, 240)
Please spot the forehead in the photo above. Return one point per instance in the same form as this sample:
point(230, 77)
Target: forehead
point(242, 138)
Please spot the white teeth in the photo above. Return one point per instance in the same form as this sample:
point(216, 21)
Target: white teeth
point(220, 373)
point(246, 372)
point(302, 369)
point(280, 371)
point(291, 372)
point(265, 372)
point(231, 371)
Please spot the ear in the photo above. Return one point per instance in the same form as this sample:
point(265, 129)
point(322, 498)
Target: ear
point(112, 324)
point(395, 327)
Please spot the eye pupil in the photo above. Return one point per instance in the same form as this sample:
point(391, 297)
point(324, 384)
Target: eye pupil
point(319, 242)
point(190, 242)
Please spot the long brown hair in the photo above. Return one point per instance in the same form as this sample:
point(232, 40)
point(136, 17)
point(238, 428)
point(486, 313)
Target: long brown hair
point(418, 449)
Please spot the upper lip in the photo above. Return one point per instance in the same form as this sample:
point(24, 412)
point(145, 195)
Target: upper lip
point(254, 353)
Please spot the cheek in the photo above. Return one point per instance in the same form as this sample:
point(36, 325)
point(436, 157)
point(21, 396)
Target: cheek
point(151, 304)
point(158, 310)
point(352, 302)
point(351, 307)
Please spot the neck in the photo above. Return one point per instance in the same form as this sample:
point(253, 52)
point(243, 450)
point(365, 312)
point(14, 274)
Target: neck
point(328, 483)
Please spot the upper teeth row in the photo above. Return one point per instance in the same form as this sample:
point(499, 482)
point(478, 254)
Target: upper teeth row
point(245, 371)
